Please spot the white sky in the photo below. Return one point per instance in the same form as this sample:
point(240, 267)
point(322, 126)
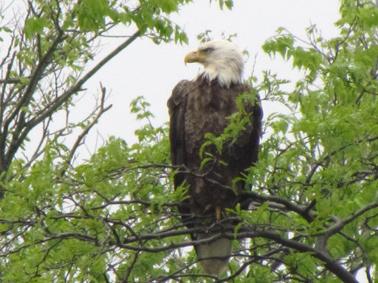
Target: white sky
point(153, 70)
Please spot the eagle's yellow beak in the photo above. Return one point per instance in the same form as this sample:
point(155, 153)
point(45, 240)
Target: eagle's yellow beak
point(195, 56)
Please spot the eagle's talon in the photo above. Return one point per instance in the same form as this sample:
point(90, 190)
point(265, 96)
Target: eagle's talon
point(218, 214)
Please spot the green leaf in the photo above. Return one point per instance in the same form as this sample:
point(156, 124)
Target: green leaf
point(282, 44)
point(34, 26)
point(92, 14)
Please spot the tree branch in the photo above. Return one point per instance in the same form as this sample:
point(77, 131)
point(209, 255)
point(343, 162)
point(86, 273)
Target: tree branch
point(58, 102)
point(74, 89)
point(340, 224)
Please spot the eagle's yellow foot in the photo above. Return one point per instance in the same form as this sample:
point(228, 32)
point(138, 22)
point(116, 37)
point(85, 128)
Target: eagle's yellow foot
point(218, 214)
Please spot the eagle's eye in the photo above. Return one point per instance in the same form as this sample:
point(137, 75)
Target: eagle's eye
point(207, 49)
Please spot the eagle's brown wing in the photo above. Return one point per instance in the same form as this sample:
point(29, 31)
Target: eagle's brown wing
point(246, 147)
point(176, 107)
point(244, 151)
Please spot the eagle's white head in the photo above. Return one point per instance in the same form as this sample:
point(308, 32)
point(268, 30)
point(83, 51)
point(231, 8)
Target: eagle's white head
point(222, 60)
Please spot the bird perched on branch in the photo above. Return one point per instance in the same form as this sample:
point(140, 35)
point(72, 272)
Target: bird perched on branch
point(200, 107)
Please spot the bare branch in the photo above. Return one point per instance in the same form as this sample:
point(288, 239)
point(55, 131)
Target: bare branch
point(100, 111)
point(74, 89)
point(340, 224)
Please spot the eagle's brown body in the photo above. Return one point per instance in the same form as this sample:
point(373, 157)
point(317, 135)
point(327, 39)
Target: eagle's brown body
point(196, 108)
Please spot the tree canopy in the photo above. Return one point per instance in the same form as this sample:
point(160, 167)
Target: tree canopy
point(313, 212)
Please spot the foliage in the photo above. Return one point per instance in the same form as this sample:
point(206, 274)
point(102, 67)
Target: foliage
point(46, 63)
point(322, 155)
point(313, 200)
point(68, 227)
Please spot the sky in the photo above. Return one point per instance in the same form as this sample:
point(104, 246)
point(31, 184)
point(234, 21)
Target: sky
point(150, 70)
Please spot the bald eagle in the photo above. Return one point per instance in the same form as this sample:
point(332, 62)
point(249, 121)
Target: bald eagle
point(203, 106)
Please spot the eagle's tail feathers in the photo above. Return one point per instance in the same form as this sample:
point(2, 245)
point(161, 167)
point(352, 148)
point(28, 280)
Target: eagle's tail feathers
point(213, 256)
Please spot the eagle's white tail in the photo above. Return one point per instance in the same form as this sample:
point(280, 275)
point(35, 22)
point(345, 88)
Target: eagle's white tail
point(213, 256)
